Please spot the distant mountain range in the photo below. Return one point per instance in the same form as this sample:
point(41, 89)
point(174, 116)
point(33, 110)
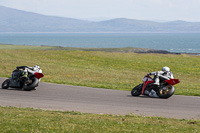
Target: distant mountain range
point(13, 20)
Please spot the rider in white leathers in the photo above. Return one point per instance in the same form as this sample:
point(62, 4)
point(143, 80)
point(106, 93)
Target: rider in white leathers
point(164, 74)
point(33, 69)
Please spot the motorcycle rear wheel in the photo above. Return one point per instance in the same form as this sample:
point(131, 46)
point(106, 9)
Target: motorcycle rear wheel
point(31, 86)
point(5, 84)
point(136, 91)
point(166, 91)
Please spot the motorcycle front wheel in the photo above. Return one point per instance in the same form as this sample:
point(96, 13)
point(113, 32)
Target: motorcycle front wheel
point(5, 84)
point(136, 91)
point(166, 91)
point(32, 85)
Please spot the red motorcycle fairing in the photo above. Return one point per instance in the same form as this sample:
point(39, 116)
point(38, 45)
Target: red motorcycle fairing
point(172, 81)
point(38, 75)
point(145, 84)
point(146, 80)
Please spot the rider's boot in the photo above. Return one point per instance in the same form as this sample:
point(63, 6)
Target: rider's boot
point(153, 93)
point(146, 92)
point(156, 81)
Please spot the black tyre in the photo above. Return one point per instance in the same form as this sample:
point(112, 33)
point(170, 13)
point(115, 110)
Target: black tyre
point(5, 84)
point(32, 85)
point(166, 91)
point(136, 91)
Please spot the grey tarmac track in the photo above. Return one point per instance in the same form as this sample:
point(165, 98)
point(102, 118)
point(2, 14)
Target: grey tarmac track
point(50, 96)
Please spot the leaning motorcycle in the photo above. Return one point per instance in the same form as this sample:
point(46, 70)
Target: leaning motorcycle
point(19, 79)
point(164, 90)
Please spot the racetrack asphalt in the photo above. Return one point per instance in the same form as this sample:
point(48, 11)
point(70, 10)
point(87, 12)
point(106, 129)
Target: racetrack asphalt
point(50, 96)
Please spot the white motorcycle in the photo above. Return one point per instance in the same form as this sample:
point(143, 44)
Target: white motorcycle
point(23, 77)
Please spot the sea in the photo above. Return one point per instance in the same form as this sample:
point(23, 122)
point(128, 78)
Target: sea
point(172, 42)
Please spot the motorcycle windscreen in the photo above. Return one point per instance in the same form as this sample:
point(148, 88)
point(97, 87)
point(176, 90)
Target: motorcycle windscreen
point(39, 75)
point(172, 81)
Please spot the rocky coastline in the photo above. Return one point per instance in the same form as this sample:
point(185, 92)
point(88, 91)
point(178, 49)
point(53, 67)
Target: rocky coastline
point(125, 50)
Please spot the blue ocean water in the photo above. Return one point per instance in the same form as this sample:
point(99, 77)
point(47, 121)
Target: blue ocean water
point(173, 42)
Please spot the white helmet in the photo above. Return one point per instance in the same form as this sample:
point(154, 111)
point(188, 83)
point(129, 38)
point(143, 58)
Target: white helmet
point(36, 67)
point(166, 69)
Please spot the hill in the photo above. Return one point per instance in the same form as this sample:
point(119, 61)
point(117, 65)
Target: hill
point(13, 20)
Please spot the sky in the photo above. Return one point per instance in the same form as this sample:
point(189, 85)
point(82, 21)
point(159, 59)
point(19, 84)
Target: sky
point(157, 10)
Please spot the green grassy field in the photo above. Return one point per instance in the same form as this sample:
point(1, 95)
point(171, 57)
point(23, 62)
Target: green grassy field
point(111, 70)
point(16, 120)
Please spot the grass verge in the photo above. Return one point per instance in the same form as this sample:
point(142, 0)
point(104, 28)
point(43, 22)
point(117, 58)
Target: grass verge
point(18, 120)
point(111, 70)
